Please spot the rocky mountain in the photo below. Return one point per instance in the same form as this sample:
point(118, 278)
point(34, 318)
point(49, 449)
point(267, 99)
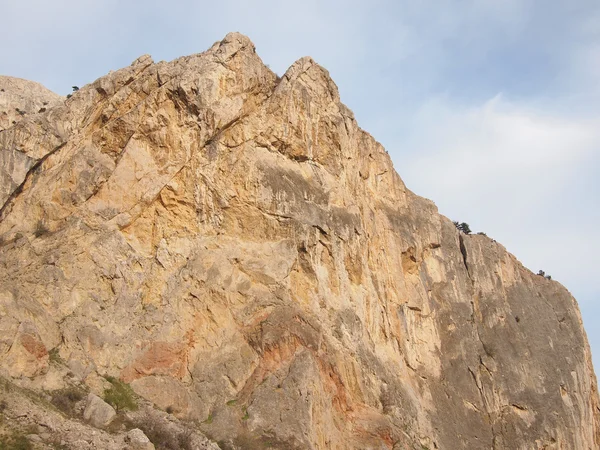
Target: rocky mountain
point(231, 247)
point(20, 97)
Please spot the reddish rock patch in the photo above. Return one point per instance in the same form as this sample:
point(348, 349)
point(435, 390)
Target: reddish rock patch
point(33, 345)
point(159, 358)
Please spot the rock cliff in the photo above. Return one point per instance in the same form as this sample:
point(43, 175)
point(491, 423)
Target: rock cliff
point(20, 99)
point(231, 245)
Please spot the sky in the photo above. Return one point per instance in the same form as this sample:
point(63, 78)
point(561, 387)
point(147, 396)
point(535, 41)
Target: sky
point(490, 108)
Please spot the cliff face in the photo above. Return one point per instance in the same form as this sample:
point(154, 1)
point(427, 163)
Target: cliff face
point(236, 248)
point(20, 99)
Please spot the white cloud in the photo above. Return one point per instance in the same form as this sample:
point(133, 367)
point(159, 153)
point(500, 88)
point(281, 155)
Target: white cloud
point(497, 140)
point(585, 63)
point(514, 172)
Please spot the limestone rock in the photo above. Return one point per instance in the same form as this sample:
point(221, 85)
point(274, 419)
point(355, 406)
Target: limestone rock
point(25, 110)
point(97, 384)
point(97, 412)
point(24, 105)
point(166, 393)
point(138, 440)
point(27, 356)
point(232, 244)
point(25, 410)
point(20, 98)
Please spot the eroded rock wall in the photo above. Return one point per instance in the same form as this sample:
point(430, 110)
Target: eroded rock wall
point(236, 248)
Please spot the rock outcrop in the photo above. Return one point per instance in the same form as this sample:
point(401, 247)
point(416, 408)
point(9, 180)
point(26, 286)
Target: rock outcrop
point(232, 245)
point(98, 412)
point(138, 440)
point(23, 105)
point(20, 98)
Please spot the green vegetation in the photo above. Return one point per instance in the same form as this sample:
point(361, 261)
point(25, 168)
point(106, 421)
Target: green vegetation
point(120, 395)
point(231, 402)
point(541, 273)
point(54, 356)
point(463, 226)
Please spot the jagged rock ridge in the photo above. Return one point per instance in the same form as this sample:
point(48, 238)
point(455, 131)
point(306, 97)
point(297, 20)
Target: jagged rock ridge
point(236, 248)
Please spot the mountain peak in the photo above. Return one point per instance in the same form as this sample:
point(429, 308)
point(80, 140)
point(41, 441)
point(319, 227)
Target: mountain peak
point(233, 252)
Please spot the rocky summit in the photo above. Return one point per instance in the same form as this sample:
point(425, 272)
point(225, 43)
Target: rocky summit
point(202, 254)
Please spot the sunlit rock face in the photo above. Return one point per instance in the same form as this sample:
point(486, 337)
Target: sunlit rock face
point(21, 99)
point(23, 105)
point(232, 245)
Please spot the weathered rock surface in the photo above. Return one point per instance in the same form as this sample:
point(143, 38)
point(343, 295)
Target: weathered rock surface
point(22, 411)
point(26, 414)
point(233, 245)
point(24, 106)
point(137, 440)
point(20, 98)
point(97, 412)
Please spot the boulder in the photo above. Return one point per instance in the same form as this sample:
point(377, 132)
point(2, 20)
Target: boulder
point(137, 440)
point(97, 412)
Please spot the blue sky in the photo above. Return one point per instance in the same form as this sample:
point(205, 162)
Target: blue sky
point(489, 108)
